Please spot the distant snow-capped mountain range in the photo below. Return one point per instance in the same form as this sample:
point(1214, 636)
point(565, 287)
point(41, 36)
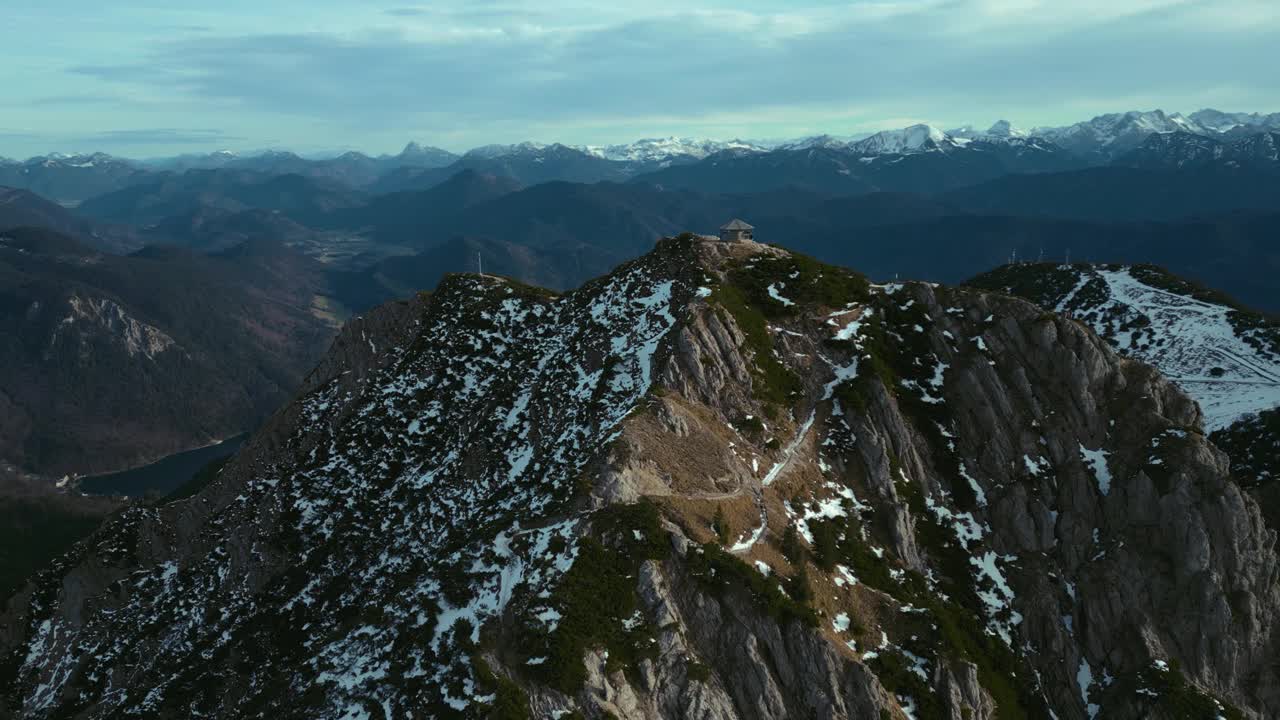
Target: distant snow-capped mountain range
point(1105, 135)
point(1153, 139)
point(661, 149)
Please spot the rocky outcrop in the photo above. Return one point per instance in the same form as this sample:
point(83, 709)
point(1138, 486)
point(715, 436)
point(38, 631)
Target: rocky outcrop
point(722, 482)
point(116, 361)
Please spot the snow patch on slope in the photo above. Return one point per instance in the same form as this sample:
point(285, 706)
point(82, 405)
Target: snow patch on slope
point(1191, 341)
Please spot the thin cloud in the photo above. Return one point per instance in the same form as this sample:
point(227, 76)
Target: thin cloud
point(159, 136)
point(17, 134)
point(80, 99)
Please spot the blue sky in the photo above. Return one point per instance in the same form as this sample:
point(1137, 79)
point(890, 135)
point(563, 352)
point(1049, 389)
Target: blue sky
point(147, 78)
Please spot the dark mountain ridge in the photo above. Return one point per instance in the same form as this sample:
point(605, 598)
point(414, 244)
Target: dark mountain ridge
point(305, 199)
point(723, 479)
point(527, 165)
point(407, 215)
point(570, 232)
point(71, 179)
point(23, 208)
point(110, 361)
point(1260, 151)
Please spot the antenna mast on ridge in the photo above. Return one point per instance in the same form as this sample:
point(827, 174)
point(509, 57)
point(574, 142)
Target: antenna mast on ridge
point(479, 264)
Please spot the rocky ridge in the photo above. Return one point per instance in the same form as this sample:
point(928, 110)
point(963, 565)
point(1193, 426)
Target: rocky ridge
point(724, 481)
point(1225, 356)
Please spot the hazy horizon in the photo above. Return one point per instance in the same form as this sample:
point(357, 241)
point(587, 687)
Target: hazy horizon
point(250, 150)
point(143, 80)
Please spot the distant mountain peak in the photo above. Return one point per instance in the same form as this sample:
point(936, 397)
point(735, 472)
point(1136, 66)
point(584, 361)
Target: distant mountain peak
point(1182, 149)
point(279, 155)
point(1112, 134)
point(659, 150)
point(815, 141)
point(920, 137)
point(499, 150)
point(1005, 129)
point(999, 130)
point(80, 160)
point(1224, 122)
point(415, 149)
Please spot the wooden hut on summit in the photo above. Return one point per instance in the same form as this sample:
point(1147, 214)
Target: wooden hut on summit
point(735, 230)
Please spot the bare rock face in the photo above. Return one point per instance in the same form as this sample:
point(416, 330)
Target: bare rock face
point(722, 482)
point(709, 367)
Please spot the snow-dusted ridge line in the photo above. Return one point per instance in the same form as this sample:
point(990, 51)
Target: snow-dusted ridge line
point(453, 485)
point(655, 150)
point(428, 511)
point(1224, 358)
point(1206, 356)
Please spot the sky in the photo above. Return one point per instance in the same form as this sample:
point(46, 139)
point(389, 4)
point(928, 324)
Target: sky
point(148, 78)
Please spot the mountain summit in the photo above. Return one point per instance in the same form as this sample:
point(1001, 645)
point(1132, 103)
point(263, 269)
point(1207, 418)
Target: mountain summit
point(722, 481)
point(1107, 136)
point(1005, 129)
point(917, 138)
